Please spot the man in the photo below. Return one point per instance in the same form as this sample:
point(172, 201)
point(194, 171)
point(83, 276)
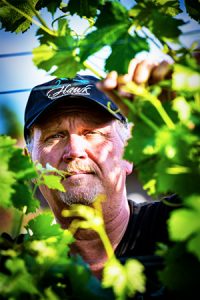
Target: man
point(72, 125)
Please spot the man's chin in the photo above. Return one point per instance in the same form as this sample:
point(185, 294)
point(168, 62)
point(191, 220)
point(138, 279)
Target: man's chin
point(77, 198)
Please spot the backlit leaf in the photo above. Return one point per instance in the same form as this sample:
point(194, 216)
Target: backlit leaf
point(12, 20)
point(53, 182)
point(185, 79)
point(125, 48)
point(84, 8)
point(51, 5)
point(103, 37)
point(19, 281)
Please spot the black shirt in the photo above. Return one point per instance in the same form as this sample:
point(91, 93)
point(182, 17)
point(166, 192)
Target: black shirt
point(147, 227)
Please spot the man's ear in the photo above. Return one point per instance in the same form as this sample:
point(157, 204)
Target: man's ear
point(128, 166)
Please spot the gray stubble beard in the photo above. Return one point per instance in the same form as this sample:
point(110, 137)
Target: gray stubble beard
point(84, 197)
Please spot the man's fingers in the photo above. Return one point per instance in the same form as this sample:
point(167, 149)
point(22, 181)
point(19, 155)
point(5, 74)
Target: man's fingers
point(143, 71)
point(138, 71)
point(110, 82)
point(160, 72)
point(132, 66)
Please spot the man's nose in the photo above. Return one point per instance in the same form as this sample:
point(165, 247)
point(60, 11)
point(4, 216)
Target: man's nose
point(75, 148)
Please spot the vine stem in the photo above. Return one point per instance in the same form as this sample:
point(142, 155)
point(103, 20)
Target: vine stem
point(133, 88)
point(106, 242)
point(156, 103)
point(31, 19)
point(37, 14)
point(88, 66)
point(146, 120)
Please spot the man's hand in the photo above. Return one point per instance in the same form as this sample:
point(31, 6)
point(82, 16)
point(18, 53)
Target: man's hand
point(140, 72)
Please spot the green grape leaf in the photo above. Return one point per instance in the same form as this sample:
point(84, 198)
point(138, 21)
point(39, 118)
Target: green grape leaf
point(57, 52)
point(105, 36)
point(124, 49)
point(43, 238)
point(177, 170)
point(19, 280)
point(53, 182)
point(193, 245)
point(16, 170)
point(111, 13)
point(13, 20)
point(193, 8)
point(155, 18)
point(51, 5)
point(7, 179)
point(125, 280)
point(6, 148)
point(169, 7)
point(184, 222)
point(183, 109)
point(84, 283)
point(158, 26)
point(185, 79)
point(23, 197)
point(174, 276)
point(42, 227)
point(83, 8)
point(23, 167)
point(24, 171)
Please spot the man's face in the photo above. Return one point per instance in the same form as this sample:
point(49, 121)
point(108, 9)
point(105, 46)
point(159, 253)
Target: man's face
point(87, 145)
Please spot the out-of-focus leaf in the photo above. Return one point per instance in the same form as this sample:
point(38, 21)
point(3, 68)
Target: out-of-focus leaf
point(18, 281)
point(184, 224)
point(183, 108)
point(105, 36)
point(170, 7)
point(7, 179)
point(23, 170)
point(146, 13)
point(53, 182)
point(83, 283)
point(193, 245)
point(124, 49)
point(177, 169)
point(193, 8)
point(177, 261)
point(84, 8)
point(124, 280)
point(185, 79)
point(111, 13)
point(23, 197)
point(51, 5)
point(58, 52)
point(22, 166)
point(12, 20)
point(16, 170)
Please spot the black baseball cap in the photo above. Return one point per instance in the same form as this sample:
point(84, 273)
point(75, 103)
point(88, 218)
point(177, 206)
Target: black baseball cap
point(83, 87)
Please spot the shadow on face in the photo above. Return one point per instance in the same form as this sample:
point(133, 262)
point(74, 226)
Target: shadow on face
point(80, 106)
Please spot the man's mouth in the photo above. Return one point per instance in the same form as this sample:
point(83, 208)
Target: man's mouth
point(73, 173)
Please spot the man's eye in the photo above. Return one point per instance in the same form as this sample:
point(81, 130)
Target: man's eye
point(58, 135)
point(91, 133)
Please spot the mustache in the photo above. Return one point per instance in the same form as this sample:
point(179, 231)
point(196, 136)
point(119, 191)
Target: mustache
point(75, 167)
